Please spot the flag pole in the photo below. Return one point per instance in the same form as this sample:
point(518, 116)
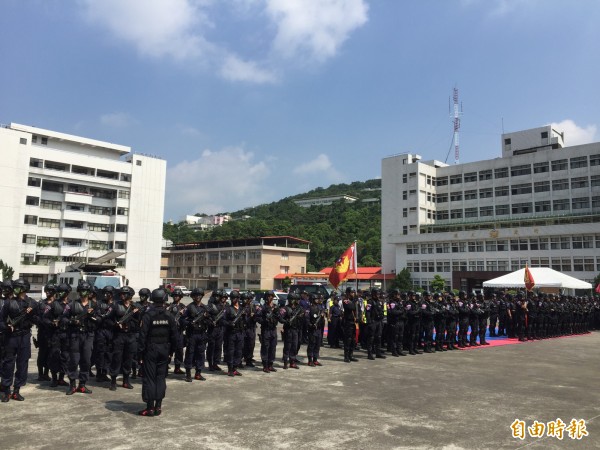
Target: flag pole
point(355, 262)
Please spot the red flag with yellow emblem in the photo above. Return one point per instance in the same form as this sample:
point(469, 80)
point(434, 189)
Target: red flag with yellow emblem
point(345, 264)
point(528, 279)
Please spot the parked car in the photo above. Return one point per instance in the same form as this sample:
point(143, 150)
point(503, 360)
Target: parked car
point(184, 289)
point(316, 288)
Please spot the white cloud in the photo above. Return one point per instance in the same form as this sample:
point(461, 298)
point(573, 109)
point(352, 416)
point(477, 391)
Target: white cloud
point(217, 181)
point(156, 28)
point(574, 134)
point(501, 8)
point(179, 29)
point(234, 69)
point(117, 120)
point(314, 27)
point(319, 169)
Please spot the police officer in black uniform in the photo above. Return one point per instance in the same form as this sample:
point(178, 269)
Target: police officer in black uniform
point(493, 307)
point(216, 309)
point(374, 316)
point(395, 323)
point(124, 319)
point(19, 314)
point(268, 337)
point(80, 320)
point(439, 321)
point(464, 311)
point(252, 311)
point(452, 316)
point(315, 319)
point(428, 311)
point(292, 318)
point(43, 334)
point(157, 338)
point(196, 322)
point(413, 312)
point(104, 334)
point(234, 334)
point(176, 308)
point(349, 324)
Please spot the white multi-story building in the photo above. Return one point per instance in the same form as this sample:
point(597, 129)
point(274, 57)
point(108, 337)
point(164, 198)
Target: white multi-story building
point(538, 204)
point(66, 199)
point(324, 201)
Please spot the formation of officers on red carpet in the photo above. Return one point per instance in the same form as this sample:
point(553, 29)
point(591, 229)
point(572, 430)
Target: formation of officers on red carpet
point(120, 337)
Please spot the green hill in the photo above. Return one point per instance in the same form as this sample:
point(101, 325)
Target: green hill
point(331, 229)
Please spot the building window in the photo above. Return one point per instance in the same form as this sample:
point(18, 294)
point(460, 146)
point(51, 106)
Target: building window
point(122, 211)
point(486, 193)
point(485, 175)
point(560, 164)
point(404, 195)
point(404, 212)
point(442, 181)
point(285, 256)
point(541, 167)
point(578, 162)
point(456, 213)
point(32, 201)
point(543, 206)
point(517, 171)
point(71, 242)
point(442, 198)
point(442, 215)
point(284, 269)
point(43, 241)
point(471, 195)
point(52, 165)
point(73, 224)
point(470, 177)
point(560, 205)
point(44, 140)
point(124, 194)
point(596, 201)
point(34, 182)
point(595, 160)
point(405, 178)
point(595, 180)
point(521, 208)
point(501, 172)
point(52, 187)
point(31, 220)
point(470, 213)
point(254, 268)
point(34, 162)
point(541, 186)
point(486, 211)
point(455, 179)
point(580, 203)
point(501, 191)
point(29, 239)
point(455, 196)
point(502, 210)
point(560, 185)
point(579, 182)
point(519, 189)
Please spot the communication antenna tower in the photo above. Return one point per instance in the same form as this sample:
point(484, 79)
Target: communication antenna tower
point(457, 112)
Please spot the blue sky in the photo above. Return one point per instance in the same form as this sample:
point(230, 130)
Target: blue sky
point(250, 101)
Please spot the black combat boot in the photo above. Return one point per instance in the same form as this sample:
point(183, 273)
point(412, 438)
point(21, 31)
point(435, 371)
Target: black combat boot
point(16, 395)
point(113, 383)
point(54, 381)
point(178, 370)
point(265, 368)
point(370, 356)
point(5, 396)
point(83, 389)
point(157, 408)
point(285, 365)
point(198, 376)
point(72, 387)
point(188, 375)
point(346, 358)
point(126, 382)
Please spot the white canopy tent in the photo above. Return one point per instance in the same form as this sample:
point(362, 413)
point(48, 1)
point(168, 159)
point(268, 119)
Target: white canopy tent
point(542, 276)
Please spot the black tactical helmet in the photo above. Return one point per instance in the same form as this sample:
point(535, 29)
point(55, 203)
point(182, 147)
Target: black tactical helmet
point(234, 294)
point(63, 289)
point(127, 291)
point(426, 294)
point(50, 288)
point(108, 290)
point(244, 295)
point(197, 292)
point(269, 293)
point(20, 285)
point(462, 294)
point(177, 293)
point(144, 292)
point(395, 292)
point(159, 296)
point(7, 287)
point(84, 286)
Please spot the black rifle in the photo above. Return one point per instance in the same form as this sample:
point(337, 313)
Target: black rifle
point(12, 322)
point(218, 317)
point(130, 312)
point(83, 315)
point(239, 315)
point(198, 318)
point(299, 311)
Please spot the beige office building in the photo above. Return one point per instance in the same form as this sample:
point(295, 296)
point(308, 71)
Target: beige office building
point(244, 264)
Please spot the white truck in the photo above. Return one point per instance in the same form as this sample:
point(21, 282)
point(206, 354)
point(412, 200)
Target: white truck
point(91, 274)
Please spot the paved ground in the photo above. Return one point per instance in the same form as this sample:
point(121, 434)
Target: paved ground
point(454, 400)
